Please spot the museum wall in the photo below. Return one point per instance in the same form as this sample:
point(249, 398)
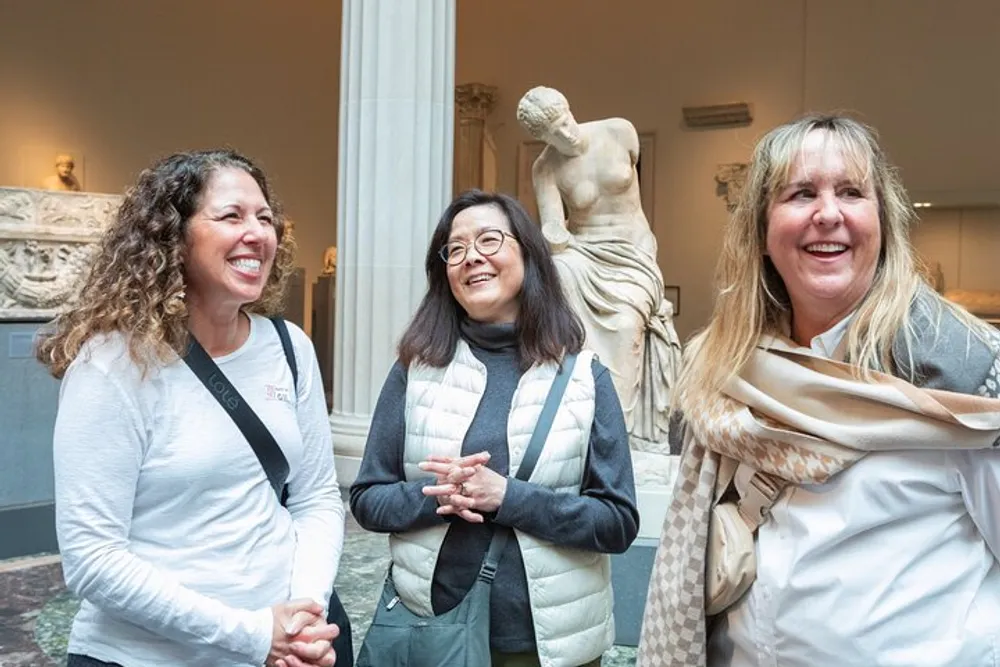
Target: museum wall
point(120, 83)
point(965, 243)
point(922, 71)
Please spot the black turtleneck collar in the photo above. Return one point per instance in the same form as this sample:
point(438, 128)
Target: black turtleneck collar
point(492, 337)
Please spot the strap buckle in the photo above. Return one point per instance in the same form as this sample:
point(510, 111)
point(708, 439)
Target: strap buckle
point(758, 493)
point(488, 572)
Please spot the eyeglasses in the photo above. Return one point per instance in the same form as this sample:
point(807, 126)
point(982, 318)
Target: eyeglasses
point(488, 242)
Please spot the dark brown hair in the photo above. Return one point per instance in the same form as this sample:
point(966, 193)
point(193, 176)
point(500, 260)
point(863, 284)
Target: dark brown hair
point(546, 326)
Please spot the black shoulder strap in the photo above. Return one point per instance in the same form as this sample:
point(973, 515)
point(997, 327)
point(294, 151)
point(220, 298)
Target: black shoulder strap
point(546, 417)
point(488, 569)
point(286, 345)
point(271, 458)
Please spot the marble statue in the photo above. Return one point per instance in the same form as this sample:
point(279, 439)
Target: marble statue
point(330, 261)
point(63, 179)
point(589, 206)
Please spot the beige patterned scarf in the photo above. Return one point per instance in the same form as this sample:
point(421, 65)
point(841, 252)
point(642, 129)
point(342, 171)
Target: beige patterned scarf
point(803, 418)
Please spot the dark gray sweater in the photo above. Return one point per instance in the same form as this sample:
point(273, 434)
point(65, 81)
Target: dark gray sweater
point(602, 518)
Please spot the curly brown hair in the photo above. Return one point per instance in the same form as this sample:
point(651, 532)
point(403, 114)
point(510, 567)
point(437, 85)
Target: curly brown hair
point(135, 283)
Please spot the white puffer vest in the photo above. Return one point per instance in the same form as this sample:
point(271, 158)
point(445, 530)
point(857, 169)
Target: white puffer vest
point(569, 589)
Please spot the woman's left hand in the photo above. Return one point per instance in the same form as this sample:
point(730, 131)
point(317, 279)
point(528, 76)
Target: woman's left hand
point(312, 645)
point(483, 491)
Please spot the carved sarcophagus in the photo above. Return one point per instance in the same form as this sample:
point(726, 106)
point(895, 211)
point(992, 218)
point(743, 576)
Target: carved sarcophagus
point(46, 242)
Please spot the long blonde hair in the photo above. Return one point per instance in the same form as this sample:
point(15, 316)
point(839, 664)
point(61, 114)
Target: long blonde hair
point(135, 283)
point(752, 299)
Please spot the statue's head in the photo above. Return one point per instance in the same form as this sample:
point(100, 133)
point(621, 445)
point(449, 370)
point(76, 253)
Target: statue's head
point(65, 165)
point(330, 260)
point(544, 113)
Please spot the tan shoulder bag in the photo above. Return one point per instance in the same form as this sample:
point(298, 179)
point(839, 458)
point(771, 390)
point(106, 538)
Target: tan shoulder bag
point(731, 560)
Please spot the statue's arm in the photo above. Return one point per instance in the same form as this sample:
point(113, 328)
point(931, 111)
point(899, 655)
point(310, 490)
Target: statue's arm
point(627, 136)
point(550, 205)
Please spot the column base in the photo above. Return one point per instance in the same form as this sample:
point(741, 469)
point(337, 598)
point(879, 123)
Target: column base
point(350, 432)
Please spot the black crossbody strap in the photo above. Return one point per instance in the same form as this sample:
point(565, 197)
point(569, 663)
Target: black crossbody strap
point(268, 452)
point(488, 570)
point(286, 345)
point(545, 419)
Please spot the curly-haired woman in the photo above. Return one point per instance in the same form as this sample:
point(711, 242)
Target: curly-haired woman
point(168, 526)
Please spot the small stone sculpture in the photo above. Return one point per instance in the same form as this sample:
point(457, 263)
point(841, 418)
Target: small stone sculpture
point(330, 261)
point(63, 179)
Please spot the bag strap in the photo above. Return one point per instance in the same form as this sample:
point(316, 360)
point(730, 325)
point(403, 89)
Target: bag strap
point(286, 345)
point(491, 561)
point(268, 452)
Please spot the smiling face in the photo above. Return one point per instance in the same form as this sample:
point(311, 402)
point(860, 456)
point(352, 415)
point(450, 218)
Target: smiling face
point(230, 243)
point(823, 233)
point(487, 287)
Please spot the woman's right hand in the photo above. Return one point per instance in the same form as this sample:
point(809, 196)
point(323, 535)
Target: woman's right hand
point(451, 474)
point(300, 636)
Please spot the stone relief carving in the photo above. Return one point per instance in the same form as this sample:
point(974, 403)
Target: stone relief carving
point(79, 212)
point(40, 275)
point(15, 207)
point(590, 207)
point(47, 239)
point(475, 100)
point(730, 179)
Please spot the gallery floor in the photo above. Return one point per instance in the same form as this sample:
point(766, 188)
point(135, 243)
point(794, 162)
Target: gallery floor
point(36, 610)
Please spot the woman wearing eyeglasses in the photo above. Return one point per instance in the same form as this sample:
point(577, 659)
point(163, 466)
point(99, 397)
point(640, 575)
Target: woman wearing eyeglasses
point(450, 428)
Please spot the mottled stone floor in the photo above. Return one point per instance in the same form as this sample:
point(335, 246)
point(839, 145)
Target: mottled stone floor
point(36, 611)
point(25, 587)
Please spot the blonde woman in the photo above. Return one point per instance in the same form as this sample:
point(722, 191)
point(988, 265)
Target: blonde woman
point(857, 403)
point(169, 529)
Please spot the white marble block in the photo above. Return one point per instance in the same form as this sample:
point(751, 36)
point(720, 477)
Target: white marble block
point(46, 241)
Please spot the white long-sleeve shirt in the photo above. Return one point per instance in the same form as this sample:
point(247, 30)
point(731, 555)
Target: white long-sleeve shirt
point(891, 563)
point(168, 527)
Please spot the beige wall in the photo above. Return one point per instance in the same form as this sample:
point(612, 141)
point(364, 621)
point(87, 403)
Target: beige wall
point(966, 244)
point(921, 71)
point(123, 82)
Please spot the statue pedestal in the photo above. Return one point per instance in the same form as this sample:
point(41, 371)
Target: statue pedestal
point(294, 309)
point(630, 574)
point(324, 293)
point(654, 482)
point(631, 570)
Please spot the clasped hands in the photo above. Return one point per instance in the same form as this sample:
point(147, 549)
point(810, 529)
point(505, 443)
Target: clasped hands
point(301, 637)
point(464, 486)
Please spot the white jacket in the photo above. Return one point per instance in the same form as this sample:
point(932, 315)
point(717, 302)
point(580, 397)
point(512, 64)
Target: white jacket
point(569, 589)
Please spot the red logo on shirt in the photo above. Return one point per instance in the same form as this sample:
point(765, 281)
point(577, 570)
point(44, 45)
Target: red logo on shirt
point(276, 393)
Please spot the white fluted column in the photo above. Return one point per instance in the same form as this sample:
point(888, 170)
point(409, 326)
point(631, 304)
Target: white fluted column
point(394, 179)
